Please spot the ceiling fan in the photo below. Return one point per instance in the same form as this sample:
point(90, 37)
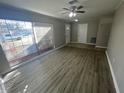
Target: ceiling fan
point(73, 10)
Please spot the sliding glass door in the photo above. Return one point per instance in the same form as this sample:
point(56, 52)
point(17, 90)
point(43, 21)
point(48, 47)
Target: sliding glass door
point(6, 41)
point(21, 41)
point(17, 40)
point(44, 36)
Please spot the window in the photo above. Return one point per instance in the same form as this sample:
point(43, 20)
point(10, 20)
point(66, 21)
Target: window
point(21, 41)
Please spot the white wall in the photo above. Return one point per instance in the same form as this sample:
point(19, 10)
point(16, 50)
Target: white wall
point(116, 47)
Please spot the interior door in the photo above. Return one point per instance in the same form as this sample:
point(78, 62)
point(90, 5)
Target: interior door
point(67, 33)
point(82, 33)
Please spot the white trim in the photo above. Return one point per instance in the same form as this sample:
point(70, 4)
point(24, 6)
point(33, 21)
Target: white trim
point(46, 53)
point(101, 47)
point(66, 30)
point(2, 86)
point(112, 72)
point(84, 43)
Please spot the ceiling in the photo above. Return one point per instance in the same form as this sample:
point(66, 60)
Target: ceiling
point(93, 8)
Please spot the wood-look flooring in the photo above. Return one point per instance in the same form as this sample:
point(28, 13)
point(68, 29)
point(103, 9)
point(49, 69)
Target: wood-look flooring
point(67, 70)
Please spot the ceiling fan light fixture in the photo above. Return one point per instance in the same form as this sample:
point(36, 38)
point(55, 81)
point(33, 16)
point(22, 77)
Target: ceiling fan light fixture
point(71, 14)
point(76, 20)
point(74, 14)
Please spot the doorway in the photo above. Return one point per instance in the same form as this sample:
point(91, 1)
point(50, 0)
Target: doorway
point(82, 33)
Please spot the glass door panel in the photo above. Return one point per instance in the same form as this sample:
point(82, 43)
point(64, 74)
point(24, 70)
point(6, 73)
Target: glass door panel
point(16, 35)
point(6, 41)
point(17, 39)
point(29, 39)
point(44, 36)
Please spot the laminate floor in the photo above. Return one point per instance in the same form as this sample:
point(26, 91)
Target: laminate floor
point(67, 70)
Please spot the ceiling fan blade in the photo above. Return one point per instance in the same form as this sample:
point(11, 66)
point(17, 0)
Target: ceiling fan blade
point(64, 12)
point(80, 11)
point(66, 9)
point(73, 1)
point(79, 7)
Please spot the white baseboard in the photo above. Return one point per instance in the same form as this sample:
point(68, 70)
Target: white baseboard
point(83, 43)
point(101, 47)
point(112, 72)
point(46, 53)
point(90, 44)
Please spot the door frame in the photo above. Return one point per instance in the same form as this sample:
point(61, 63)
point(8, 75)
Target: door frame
point(67, 33)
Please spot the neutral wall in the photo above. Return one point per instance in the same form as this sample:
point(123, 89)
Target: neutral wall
point(74, 33)
point(92, 30)
point(116, 47)
point(7, 12)
point(4, 65)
